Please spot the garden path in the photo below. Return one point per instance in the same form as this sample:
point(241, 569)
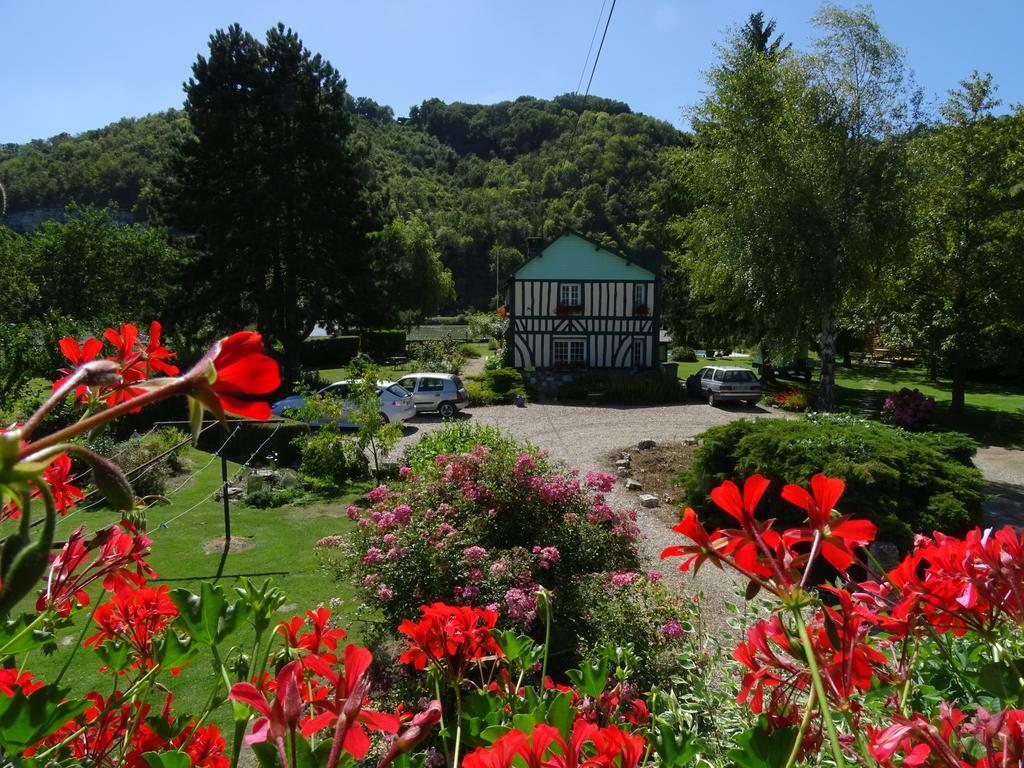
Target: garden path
point(1003, 469)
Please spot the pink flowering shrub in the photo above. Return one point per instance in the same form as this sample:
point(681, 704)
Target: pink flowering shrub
point(908, 408)
point(486, 528)
point(628, 609)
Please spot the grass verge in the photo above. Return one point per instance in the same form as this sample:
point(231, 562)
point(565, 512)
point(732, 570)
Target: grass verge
point(274, 543)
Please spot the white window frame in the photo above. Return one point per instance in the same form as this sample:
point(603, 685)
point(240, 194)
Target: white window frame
point(574, 351)
point(570, 294)
point(639, 295)
point(639, 352)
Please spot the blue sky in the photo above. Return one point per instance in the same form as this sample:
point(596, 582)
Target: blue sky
point(74, 66)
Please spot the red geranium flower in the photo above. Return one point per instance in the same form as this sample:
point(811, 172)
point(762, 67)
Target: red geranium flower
point(135, 616)
point(77, 355)
point(332, 701)
point(283, 715)
point(233, 370)
point(58, 478)
point(835, 538)
point(322, 641)
point(705, 546)
point(451, 637)
point(120, 561)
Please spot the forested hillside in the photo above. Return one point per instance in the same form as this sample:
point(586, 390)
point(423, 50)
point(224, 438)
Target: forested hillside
point(483, 178)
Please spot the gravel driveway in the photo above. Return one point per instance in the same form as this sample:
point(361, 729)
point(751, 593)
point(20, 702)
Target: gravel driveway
point(583, 436)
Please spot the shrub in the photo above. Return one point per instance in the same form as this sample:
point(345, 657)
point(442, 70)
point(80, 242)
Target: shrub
point(905, 483)
point(684, 354)
point(643, 389)
point(908, 408)
point(485, 527)
point(629, 609)
point(495, 386)
point(379, 344)
point(330, 457)
point(459, 437)
point(138, 458)
point(442, 355)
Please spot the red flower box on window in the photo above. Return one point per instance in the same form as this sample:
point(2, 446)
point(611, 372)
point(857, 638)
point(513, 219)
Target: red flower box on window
point(569, 309)
point(641, 310)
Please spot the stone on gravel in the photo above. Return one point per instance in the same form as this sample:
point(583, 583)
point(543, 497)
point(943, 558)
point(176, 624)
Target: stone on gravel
point(689, 441)
point(649, 501)
point(645, 445)
point(622, 471)
point(622, 463)
point(625, 455)
point(633, 485)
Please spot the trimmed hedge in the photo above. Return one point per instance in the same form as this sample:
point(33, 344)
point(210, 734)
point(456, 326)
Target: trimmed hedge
point(380, 344)
point(250, 438)
point(329, 351)
point(906, 483)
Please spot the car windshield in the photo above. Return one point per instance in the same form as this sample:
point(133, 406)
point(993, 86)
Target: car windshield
point(398, 390)
point(339, 390)
point(740, 376)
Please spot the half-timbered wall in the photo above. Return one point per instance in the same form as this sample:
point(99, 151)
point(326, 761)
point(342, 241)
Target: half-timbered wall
point(608, 322)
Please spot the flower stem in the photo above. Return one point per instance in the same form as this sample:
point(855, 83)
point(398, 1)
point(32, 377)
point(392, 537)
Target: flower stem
point(819, 689)
point(77, 645)
point(802, 732)
point(547, 640)
point(173, 387)
point(458, 725)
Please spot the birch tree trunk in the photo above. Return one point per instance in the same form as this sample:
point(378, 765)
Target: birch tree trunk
point(827, 350)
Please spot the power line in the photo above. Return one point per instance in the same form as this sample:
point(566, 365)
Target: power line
point(597, 58)
point(237, 474)
point(593, 69)
point(593, 37)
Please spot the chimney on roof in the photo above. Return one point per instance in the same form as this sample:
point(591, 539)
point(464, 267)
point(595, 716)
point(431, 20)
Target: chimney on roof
point(534, 246)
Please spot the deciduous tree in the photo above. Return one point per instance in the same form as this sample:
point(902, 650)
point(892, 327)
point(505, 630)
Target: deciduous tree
point(968, 250)
point(798, 180)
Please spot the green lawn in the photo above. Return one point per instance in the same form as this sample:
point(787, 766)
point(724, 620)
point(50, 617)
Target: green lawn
point(994, 413)
point(282, 548)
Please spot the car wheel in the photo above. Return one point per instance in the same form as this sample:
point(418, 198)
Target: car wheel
point(446, 410)
point(384, 418)
point(711, 400)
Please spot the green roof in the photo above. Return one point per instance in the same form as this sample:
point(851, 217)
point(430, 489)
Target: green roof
point(573, 257)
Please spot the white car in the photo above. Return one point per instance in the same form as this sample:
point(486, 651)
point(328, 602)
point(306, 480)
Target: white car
point(396, 404)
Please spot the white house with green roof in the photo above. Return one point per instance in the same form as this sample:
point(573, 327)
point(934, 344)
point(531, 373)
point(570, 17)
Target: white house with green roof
point(579, 304)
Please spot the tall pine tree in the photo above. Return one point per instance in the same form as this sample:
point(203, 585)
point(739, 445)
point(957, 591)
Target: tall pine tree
point(271, 193)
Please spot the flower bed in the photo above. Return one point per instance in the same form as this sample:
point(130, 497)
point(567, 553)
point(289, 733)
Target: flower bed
point(920, 665)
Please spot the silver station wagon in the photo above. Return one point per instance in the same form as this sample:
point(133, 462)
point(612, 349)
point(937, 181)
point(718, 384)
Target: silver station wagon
point(441, 392)
point(721, 383)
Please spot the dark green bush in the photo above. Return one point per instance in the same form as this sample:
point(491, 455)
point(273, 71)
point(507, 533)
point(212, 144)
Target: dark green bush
point(142, 458)
point(331, 457)
point(643, 389)
point(495, 386)
point(906, 483)
point(329, 351)
point(684, 355)
point(379, 344)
